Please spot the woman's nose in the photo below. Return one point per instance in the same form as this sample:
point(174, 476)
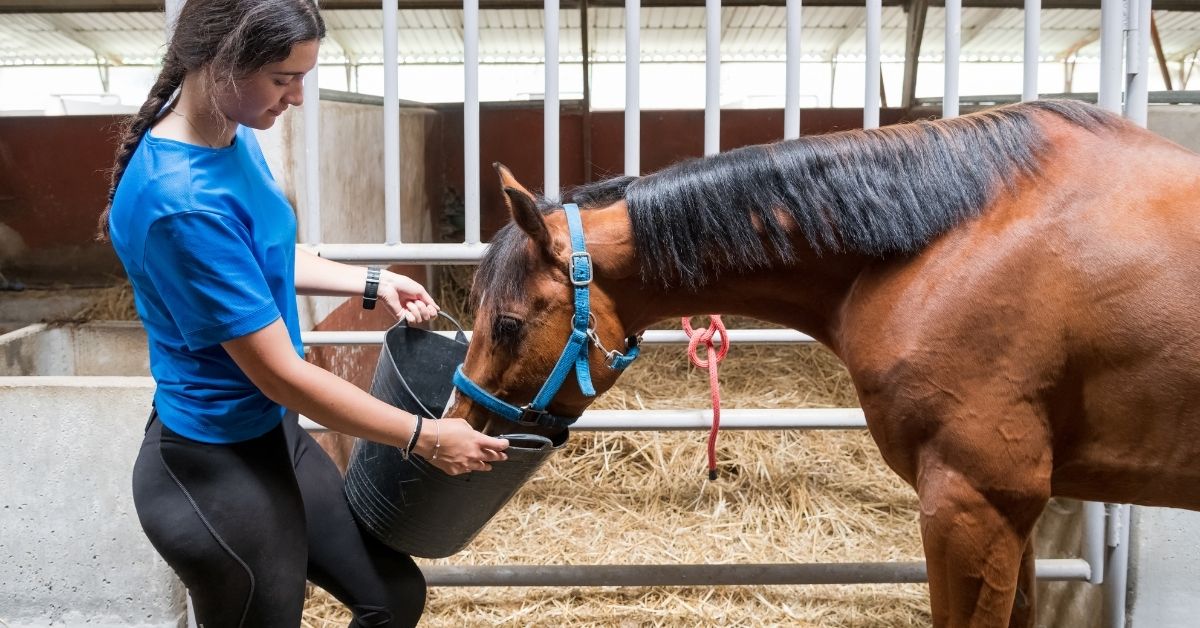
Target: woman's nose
point(295, 95)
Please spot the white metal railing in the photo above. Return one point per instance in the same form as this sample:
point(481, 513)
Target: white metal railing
point(1125, 26)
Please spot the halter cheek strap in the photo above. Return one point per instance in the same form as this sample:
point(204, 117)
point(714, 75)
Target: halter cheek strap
point(574, 355)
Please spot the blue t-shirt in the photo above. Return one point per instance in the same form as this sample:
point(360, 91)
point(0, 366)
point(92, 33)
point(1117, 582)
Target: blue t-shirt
point(208, 242)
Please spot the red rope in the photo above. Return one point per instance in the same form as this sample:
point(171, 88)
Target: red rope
point(714, 358)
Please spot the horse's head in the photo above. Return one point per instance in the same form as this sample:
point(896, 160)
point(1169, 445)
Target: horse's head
point(548, 335)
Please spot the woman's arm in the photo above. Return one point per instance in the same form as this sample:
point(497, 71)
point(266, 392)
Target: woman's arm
point(402, 296)
point(268, 359)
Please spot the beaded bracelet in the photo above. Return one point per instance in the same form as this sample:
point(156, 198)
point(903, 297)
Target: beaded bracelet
point(412, 442)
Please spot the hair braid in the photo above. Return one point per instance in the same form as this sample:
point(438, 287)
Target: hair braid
point(169, 80)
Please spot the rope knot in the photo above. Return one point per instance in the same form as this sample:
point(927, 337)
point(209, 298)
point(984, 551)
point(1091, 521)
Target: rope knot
point(715, 356)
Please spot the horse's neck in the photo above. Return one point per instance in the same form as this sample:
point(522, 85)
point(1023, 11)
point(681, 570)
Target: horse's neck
point(807, 298)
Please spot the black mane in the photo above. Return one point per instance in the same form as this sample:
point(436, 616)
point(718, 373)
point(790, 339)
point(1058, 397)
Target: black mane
point(881, 192)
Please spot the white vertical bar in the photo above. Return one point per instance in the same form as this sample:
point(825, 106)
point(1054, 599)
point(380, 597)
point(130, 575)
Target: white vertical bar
point(712, 77)
point(1116, 567)
point(391, 125)
point(1033, 33)
point(550, 102)
point(1093, 539)
point(312, 156)
point(633, 111)
point(1137, 62)
point(471, 118)
point(871, 101)
point(172, 8)
point(1111, 36)
point(950, 58)
point(791, 107)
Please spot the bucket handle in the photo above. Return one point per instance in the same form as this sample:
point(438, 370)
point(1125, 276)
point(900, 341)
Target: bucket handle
point(461, 336)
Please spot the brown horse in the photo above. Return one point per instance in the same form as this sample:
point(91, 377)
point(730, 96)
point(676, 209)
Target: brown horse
point(1014, 292)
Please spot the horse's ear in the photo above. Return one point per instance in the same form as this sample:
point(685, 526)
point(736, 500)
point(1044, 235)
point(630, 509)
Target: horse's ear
point(523, 207)
point(507, 180)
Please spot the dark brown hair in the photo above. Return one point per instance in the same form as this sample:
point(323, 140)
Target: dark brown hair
point(223, 40)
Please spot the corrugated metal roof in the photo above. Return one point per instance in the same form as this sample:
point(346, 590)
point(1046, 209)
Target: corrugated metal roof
point(667, 34)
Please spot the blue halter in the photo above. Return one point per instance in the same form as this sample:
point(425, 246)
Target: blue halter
point(575, 353)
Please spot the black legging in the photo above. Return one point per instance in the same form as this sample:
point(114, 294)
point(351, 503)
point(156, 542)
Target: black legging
point(245, 524)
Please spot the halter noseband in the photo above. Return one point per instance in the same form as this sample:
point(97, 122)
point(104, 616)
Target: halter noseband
point(575, 353)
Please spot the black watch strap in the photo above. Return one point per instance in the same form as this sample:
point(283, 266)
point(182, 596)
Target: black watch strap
point(371, 291)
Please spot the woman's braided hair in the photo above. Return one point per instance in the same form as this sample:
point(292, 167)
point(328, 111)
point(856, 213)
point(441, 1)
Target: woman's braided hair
point(221, 41)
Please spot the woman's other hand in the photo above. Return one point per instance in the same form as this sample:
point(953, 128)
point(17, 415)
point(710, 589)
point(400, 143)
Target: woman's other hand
point(453, 446)
point(406, 299)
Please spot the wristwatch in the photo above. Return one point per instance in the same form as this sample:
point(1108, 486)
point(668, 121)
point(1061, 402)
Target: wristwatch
point(372, 290)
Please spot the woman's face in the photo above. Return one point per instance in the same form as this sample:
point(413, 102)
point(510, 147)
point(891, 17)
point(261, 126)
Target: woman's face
point(260, 97)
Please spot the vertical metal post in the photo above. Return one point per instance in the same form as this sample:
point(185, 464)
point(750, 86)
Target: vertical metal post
point(1111, 26)
point(712, 77)
point(391, 124)
point(471, 118)
point(171, 9)
point(550, 107)
point(1116, 568)
point(1033, 33)
point(791, 107)
point(312, 156)
point(950, 58)
point(871, 101)
point(1093, 539)
point(1137, 61)
point(633, 110)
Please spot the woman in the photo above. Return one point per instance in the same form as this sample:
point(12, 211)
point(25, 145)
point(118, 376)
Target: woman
point(235, 496)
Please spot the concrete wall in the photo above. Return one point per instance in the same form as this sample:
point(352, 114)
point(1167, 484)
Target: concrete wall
point(72, 551)
point(1178, 123)
point(1164, 578)
point(101, 348)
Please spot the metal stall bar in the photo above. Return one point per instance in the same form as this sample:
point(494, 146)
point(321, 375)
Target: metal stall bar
point(1033, 32)
point(1137, 53)
point(471, 119)
point(712, 77)
point(312, 156)
point(871, 99)
point(791, 107)
point(550, 108)
point(652, 336)
point(709, 575)
point(391, 124)
point(633, 110)
point(1116, 566)
point(1111, 25)
point(950, 58)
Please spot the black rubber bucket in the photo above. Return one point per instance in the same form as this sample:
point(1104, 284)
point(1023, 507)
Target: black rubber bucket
point(410, 505)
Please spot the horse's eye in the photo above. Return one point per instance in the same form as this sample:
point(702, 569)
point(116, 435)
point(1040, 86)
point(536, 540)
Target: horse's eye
point(506, 330)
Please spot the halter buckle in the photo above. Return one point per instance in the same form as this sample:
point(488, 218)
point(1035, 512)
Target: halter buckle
point(530, 417)
point(585, 278)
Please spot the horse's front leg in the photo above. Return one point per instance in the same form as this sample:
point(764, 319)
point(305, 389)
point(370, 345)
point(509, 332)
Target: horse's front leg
point(976, 520)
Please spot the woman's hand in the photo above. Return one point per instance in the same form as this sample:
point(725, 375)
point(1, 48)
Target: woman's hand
point(453, 446)
point(406, 299)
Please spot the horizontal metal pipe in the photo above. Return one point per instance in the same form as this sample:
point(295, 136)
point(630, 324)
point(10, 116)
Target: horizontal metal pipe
point(701, 419)
point(652, 337)
point(402, 253)
point(707, 575)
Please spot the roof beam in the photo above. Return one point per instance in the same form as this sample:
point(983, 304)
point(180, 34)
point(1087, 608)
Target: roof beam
point(63, 27)
point(917, 10)
point(86, 6)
